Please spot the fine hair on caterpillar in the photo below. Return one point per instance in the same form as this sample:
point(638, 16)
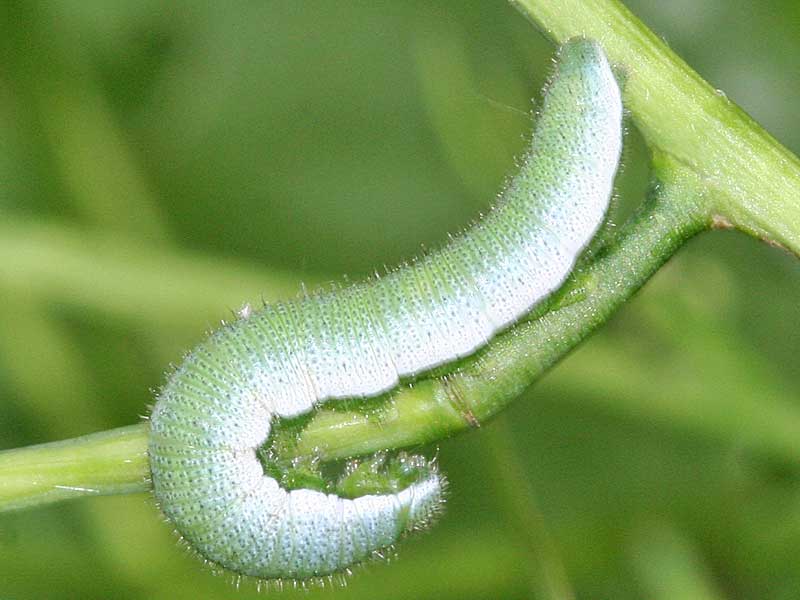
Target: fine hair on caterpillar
point(216, 409)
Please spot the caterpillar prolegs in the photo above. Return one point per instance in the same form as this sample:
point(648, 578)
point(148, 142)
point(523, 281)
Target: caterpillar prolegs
point(217, 408)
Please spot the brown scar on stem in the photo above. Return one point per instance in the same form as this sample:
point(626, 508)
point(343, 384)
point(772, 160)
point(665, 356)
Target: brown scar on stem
point(722, 222)
point(456, 399)
point(777, 245)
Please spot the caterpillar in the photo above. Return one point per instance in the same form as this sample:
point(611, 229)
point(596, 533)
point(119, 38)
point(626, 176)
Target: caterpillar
point(216, 409)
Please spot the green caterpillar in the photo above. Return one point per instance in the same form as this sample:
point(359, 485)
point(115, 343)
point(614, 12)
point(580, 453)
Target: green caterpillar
point(217, 408)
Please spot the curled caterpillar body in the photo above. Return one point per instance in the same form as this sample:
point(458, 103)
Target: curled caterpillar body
point(217, 408)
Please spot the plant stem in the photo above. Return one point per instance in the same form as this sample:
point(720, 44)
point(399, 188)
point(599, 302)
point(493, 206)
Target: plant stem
point(99, 464)
point(525, 520)
point(114, 462)
point(116, 276)
point(755, 180)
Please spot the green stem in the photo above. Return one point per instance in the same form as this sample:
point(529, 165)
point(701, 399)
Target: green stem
point(755, 180)
point(99, 464)
point(116, 276)
point(546, 570)
point(115, 461)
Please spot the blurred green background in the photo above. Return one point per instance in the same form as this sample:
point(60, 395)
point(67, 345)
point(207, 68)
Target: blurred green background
point(162, 163)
